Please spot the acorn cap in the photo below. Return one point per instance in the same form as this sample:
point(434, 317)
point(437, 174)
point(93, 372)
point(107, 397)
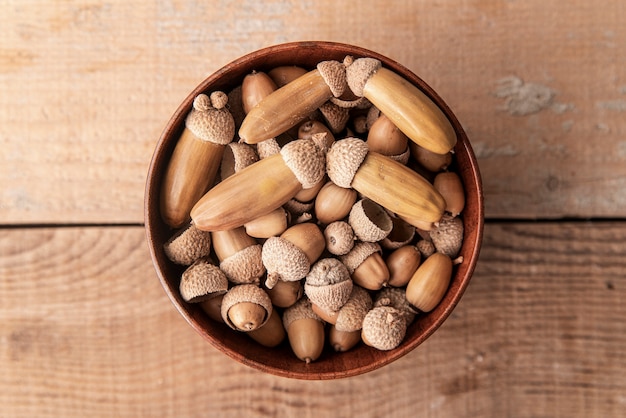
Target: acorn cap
point(330, 297)
point(352, 313)
point(359, 71)
point(297, 208)
point(344, 159)
point(283, 260)
point(359, 103)
point(401, 234)
point(395, 297)
point(447, 235)
point(358, 254)
point(334, 74)
point(210, 120)
point(339, 237)
point(305, 160)
point(267, 148)
point(369, 220)
point(425, 247)
point(245, 293)
point(236, 157)
point(245, 266)
point(300, 310)
point(188, 245)
point(402, 158)
point(384, 328)
point(336, 117)
point(201, 281)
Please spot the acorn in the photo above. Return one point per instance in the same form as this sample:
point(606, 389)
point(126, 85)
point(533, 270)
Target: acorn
point(201, 281)
point(239, 255)
point(307, 195)
point(366, 265)
point(385, 138)
point(284, 294)
point(402, 263)
point(333, 202)
point(425, 247)
point(412, 111)
point(339, 237)
point(384, 328)
point(342, 341)
point(272, 333)
point(328, 284)
point(336, 117)
point(402, 233)
point(284, 74)
point(290, 256)
point(350, 316)
point(389, 183)
point(449, 184)
point(314, 127)
point(269, 225)
point(267, 148)
point(447, 236)
point(396, 297)
point(235, 106)
point(305, 330)
point(246, 307)
point(213, 307)
point(196, 158)
point(430, 282)
point(236, 157)
point(431, 161)
point(261, 187)
point(188, 245)
point(369, 220)
point(255, 86)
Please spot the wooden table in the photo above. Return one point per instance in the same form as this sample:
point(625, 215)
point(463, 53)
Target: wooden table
point(86, 87)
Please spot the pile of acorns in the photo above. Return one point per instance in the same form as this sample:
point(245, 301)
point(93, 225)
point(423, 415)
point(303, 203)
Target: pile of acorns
point(286, 229)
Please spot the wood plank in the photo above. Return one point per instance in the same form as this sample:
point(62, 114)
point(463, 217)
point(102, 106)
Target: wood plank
point(86, 330)
point(87, 87)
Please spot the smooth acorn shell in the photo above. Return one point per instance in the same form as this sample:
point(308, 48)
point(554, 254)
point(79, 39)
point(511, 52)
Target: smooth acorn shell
point(306, 337)
point(247, 316)
point(284, 74)
point(385, 138)
point(431, 161)
point(270, 225)
point(451, 188)
point(333, 203)
point(213, 307)
point(430, 282)
point(285, 293)
point(272, 333)
point(402, 263)
point(372, 274)
point(342, 341)
point(255, 86)
point(229, 242)
point(308, 237)
point(307, 195)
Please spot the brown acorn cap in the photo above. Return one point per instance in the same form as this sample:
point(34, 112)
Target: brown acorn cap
point(352, 313)
point(359, 72)
point(359, 103)
point(300, 310)
point(336, 117)
point(305, 160)
point(201, 281)
point(369, 220)
point(402, 158)
point(395, 297)
point(384, 328)
point(236, 157)
point(358, 254)
point(245, 293)
point(267, 148)
point(447, 236)
point(334, 74)
point(283, 261)
point(209, 120)
point(339, 237)
point(401, 234)
point(328, 284)
point(245, 266)
point(344, 159)
point(425, 247)
point(297, 208)
point(235, 105)
point(188, 245)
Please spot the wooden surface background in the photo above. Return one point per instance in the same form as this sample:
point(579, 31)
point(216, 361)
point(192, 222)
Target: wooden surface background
point(86, 87)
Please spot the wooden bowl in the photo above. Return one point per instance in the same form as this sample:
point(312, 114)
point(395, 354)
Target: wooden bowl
point(281, 361)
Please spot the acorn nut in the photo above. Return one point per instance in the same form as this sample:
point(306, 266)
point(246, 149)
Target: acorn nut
point(384, 328)
point(272, 333)
point(402, 263)
point(328, 284)
point(333, 203)
point(339, 237)
point(342, 341)
point(385, 138)
point(284, 293)
point(350, 316)
point(449, 184)
point(255, 86)
point(430, 282)
point(366, 265)
point(305, 330)
point(239, 255)
point(188, 245)
point(246, 307)
point(447, 236)
point(269, 225)
point(201, 281)
point(396, 297)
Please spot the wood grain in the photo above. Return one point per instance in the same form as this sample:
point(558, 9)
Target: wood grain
point(87, 87)
point(86, 330)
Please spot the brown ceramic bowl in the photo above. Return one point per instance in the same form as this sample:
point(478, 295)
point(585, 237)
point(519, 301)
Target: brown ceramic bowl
point(281, 361)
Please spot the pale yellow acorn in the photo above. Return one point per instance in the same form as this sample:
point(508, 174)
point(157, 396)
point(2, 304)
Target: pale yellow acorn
point(239, 255)
point(246, 307)
point(384, 328)
point(401, 234)
point(188, 245)
point(255, 87)
point(269, 225)
point(431, 161)
point(196, 159)
point(366, 265)
point(292, 103)
point(410, 109)
point(449, 184)
point(285, 74)
point(285, 293)
point(369, 220)
point(447, 236)
point(272, 333)
point(289, 257)
point(430, 282)
point(201, 281)
point(305, 330)
point(339, 237)
point(402, 263)
point(333, 203)
point(236, 157)
point(395, 297)
point(392, 185)
point(261, 187)
point(342, 341)
point(328, 284)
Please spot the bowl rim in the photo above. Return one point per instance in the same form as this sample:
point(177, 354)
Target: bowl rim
point(463, 148)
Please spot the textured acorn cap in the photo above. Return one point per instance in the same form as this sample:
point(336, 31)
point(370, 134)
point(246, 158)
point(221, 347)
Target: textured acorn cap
point(344, 159)
point(209, 120)
point(201, 281)
point(283, 260)
point(395, 297)
point(300, 310)
point(359, 71)
point(358, 254)
point(359, 103)
point(402, 158)
point(401, 234)
point(330, 297)
point(188, 245)
point(236, 157)
point(305, 160)
point(336, 117)
point(297, 208)
point(384, 328)
point(425, 247)
point(369, 220)
point(334, 74)
point(339, 237)
point(352, 313)
point(267, 148)
point(447, 235)
point(245, 293)
point(245, 266)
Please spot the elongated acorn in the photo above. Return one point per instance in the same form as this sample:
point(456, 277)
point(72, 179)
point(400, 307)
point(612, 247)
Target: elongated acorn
point(201, 281)
point(272, 333)
point(305, 330)
point(188, 245)
point(239, 255)
point(366, 265)
point(246, 307)
point(431, 161)
point(430, 282)
point(449, 184)
point(384, 328)
point(328, 284)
